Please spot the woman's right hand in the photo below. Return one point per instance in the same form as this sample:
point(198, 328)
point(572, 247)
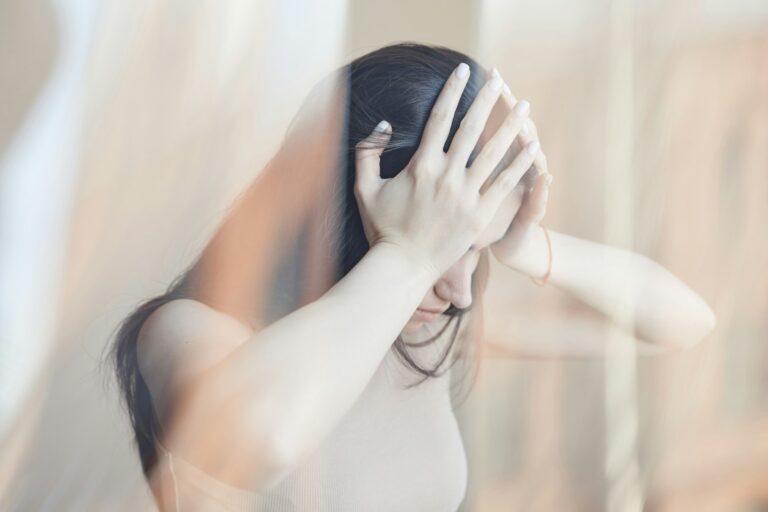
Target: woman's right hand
point(433, 209)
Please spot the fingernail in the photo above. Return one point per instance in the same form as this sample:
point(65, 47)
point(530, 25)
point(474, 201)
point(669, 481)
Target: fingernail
point(521, 108)
point(507, 90)
point(549, 179)
point(496, 83)
point(462, 71)
point(525, 129)
point(382, 127)
point(532, 147)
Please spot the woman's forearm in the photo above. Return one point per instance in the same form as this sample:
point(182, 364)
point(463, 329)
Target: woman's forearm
point(621, 284)
point(296, 378)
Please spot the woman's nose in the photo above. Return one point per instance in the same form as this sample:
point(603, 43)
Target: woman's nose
point(456, 284)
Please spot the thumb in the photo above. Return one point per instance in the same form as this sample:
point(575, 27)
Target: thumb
point(368, 156)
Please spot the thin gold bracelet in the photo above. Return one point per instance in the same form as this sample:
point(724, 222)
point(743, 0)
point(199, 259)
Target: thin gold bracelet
point(543, 280)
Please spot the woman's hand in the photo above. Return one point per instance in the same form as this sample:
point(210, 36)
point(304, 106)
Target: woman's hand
point(534, 206)
point(527, 219)
point(433, 208)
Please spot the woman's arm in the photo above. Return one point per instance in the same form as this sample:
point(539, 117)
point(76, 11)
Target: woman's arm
point(566, 330)
point(626, 288)
point(616, 282)
point(249, 415)
point(257, 412)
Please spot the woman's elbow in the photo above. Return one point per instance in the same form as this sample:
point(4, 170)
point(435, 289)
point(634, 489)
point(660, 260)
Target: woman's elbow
point(706, 324)
point(687, 332)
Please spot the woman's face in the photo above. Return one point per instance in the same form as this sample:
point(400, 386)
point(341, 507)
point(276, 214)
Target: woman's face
point(455, 285)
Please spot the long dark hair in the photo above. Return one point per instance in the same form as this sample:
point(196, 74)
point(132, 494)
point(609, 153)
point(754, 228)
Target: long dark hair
point(399, 83)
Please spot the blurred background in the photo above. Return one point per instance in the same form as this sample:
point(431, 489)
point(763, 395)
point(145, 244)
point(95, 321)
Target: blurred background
point(127, 128)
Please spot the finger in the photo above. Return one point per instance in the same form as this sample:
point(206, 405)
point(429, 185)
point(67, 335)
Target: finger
point(535, 206)
point(507, 180)
point(529, 127)
point(540, 161)
point(368, 156)
point(473, 123)
point(441, 117)
point(495, 149)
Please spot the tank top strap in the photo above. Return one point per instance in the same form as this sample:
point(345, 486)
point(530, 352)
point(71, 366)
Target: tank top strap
point(169, 456)
point(190, 484)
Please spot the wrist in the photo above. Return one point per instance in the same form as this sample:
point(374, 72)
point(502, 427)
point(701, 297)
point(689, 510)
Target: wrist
point(411, 256)
point(532, 259)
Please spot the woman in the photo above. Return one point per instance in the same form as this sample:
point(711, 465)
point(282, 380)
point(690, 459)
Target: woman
point(344, 403)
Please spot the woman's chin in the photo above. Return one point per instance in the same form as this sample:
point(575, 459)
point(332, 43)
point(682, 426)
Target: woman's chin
point(417, 325)
point(416, 331)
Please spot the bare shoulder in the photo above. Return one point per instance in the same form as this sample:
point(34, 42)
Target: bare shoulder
point(182, 339)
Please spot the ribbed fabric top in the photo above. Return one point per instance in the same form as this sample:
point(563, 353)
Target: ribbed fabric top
point(396, 449)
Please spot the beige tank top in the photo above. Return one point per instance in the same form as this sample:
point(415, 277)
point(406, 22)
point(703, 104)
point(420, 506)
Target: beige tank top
point(396, 449)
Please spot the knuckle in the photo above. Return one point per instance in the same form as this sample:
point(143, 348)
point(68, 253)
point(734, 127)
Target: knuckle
point(512, 123)
point(469, 124)
point(423, 177)
point(488, 94)
point(439, 114)
point(502, 181)
point(452, 187)
point(363, 145)
point(508, 181)
point(477, 220)
point(481, 163)
point(491, 150)
point(454, 84)
point(424, 167)
point(429, 165)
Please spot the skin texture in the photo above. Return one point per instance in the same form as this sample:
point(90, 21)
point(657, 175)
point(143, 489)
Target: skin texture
point(245, 402)
point(518, 214)
point(277, 393)
point(454, 286)
point(249, 406)
point(601, 282)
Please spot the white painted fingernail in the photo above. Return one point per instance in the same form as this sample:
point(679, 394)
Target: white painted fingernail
point(525, 129)
point(521, 108)
point(507, 90)
point(532, 147)
point(382, 127)
point(496, 83)
point(462, 71)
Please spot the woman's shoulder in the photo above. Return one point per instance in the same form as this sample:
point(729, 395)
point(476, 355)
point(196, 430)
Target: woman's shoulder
point(185, 316)
point(183, 338)
point(189, 323)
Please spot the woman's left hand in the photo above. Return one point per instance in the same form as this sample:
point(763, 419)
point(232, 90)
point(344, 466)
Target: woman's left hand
point(533, 208)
